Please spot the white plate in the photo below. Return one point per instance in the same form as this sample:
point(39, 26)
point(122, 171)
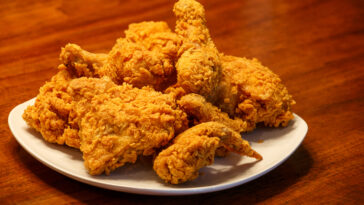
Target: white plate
point(278, 144)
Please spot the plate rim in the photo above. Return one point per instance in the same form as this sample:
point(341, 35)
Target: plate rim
point(143, 191)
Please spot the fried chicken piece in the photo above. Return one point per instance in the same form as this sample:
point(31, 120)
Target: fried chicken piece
point(195, 148)
point(155, 36)
point(253, 92)
point(203, 111)
point(113, 125)
point(146, 56)
point(82, 63)
point(122, 122)
point(196, 105)
point(53, 111)
point(198, 67)
point(49, 115)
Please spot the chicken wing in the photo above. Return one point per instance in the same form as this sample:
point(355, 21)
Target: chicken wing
point(195, 148)
point(82, 63)
point(122, 122)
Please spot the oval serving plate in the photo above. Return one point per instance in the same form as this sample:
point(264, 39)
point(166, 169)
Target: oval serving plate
point(277, 145)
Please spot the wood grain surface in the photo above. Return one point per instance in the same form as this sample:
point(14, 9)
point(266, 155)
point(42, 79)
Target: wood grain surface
point(316, 46)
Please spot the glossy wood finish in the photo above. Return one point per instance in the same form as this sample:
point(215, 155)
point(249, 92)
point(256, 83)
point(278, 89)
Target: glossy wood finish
point(316, 46)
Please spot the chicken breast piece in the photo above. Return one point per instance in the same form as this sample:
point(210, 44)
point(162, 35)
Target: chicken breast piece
point(122, 122)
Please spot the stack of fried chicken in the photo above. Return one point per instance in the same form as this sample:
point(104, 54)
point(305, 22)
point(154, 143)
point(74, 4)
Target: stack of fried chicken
point(171, 95)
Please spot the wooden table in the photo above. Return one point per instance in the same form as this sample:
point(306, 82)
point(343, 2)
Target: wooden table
point(316, 46)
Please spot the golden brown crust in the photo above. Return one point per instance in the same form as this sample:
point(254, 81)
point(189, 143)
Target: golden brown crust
point(107, 104)
point(195, 148)
point(253, 92)
point(198, 66)
point(49, 115)
point(203, 111)
point(121, 122)
point(145, 57)
point(81, 63)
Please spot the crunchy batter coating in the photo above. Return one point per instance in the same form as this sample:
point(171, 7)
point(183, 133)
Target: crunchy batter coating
point(195, 148)
point(254, 93)
point(82, 63)
point(195, 105)
point(49, 115)
point(198, 66)
point(109, 105)
point(122, 122)
point(146, 56)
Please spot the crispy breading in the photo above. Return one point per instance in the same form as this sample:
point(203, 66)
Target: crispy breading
point(146, 56)
point(196, 105)
point(49, 115)
point(111, 108)
point(198, 66)
point(254, 93)
point(195, 148)
point(82, 63)
point(122, 122)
